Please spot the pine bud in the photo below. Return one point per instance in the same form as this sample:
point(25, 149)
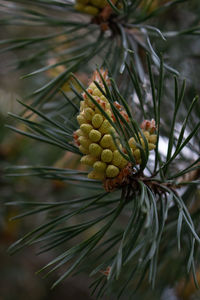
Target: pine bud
point(117, 158)
point(81, 119)
point(84, 141)
point(86, 128)
point(94, 135)
point(105, 127)
point(112, 171)
point(106, 141)
point(106, 155)
point(95, 149)
point(88, 113)
point(97, 120)
point(88, 160)
point(100, 166)
point(153, 139)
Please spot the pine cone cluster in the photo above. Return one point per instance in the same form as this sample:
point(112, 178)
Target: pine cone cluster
point(94, 137)
point(149, 133)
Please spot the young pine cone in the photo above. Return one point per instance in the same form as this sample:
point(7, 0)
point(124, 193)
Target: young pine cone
point(94, 137)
